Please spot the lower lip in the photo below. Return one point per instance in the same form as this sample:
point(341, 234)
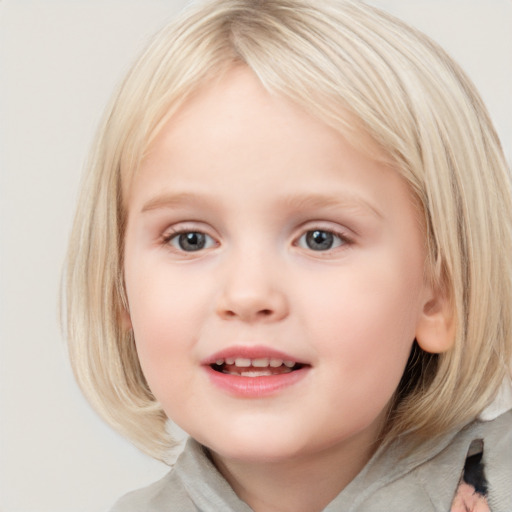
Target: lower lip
point(254, 387)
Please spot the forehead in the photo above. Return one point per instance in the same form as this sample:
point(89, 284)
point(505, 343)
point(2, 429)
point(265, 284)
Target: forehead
point(228, 106)
point(224, 108)
point(233, 141)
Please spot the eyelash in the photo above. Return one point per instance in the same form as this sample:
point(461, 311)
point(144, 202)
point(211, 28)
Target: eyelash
point(339, 239)
point(330, 235)
point(176, 234)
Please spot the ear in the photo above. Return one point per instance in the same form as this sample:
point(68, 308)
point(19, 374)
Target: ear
point(435, 330)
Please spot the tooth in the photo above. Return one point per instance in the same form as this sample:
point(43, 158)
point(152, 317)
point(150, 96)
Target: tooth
point(275, 363)
point(255, 373)
point(260, 363)
point(230, 360)
point(289, 364)
point(219, 362)
point(240, 361)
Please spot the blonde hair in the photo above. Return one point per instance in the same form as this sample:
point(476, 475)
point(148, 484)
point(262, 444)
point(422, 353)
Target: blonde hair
point(342, 61)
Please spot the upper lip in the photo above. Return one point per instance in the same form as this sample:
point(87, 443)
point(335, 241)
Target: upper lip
point(250, 352)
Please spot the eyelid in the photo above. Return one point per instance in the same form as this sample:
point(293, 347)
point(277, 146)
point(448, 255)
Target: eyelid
point(187, 226)
point(330, 227)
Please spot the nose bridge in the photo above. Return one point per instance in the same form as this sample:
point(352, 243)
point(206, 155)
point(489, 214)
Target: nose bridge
point(252, 289)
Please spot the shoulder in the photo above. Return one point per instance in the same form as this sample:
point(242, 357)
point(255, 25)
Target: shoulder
point(193, 484)
point(427, 479)
point(165, 495)
point(485, 481)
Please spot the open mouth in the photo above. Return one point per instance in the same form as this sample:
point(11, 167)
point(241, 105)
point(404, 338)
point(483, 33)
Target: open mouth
point(260, 367)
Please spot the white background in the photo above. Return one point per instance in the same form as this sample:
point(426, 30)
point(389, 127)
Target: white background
point(59, 61)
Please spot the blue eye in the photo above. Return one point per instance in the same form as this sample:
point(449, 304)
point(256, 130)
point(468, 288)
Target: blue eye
point(320, 240)
point(191, 241)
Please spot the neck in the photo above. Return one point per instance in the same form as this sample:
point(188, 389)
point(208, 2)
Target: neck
point(306, 483)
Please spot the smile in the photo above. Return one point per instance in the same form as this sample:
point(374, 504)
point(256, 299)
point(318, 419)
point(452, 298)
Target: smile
point(254, 372)
point(254, 367)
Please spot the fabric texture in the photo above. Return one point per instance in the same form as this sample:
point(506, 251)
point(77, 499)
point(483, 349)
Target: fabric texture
point(424, 481)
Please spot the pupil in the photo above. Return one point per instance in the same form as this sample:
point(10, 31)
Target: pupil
point(192, 241)
point(319, 240)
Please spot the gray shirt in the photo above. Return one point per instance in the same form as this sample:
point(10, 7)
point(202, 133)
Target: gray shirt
point(422, 481)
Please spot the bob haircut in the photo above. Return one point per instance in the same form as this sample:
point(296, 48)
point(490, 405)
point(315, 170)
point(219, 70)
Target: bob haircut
point(360, 71)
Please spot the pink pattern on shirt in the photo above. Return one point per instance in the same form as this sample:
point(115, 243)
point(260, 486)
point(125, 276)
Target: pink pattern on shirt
point(468, 500)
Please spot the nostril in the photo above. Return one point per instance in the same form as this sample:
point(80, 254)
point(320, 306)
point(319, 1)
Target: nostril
point(251, 307)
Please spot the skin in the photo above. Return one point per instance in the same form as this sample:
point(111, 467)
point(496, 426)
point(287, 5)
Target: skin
point(255, 173)
point(467, 500)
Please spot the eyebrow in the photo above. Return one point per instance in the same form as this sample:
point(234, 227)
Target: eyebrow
point(296, 202)
point(170, 200)
point(342, 200)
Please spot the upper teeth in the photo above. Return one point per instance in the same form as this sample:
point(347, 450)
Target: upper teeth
point(263, 362)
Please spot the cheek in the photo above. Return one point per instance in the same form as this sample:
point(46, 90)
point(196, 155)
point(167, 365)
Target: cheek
point(365, 325)
point(383, 300)
point(165, 316)
point(162, 299)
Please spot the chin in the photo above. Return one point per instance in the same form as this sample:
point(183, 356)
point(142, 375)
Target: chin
point(258, 447)
point(256, 454)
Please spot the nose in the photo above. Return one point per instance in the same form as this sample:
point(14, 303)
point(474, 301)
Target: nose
point(252, 292)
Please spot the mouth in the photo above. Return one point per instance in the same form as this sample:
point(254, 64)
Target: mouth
point(254, 371)
point(257, 367)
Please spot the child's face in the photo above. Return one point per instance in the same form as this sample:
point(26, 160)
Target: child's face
point(256, 232)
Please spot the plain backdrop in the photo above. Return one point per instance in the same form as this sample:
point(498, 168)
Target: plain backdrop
point(59, 61)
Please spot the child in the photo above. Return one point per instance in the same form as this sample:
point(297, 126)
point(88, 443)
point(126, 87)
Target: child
point(294, 243)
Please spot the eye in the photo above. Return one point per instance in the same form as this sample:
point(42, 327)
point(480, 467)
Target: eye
point(320, 240)
point(190, 241)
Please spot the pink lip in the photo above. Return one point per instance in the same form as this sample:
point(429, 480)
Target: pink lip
point(253, 387)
